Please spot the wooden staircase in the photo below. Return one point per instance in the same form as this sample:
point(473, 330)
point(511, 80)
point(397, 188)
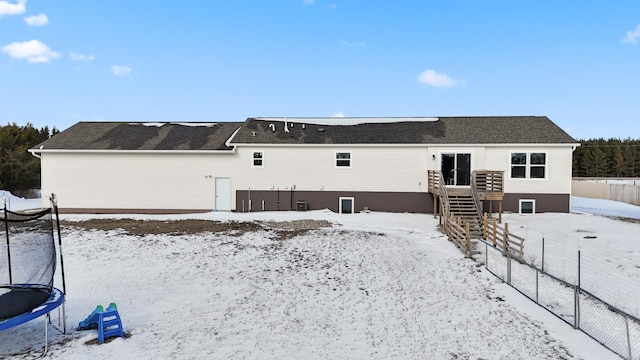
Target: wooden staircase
point(460, 207)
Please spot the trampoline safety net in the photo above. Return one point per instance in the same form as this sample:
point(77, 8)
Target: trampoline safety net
point(27, 261)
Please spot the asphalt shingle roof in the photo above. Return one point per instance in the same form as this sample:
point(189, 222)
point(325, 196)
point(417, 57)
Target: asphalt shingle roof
point(212, 136)
point(446, 130)
point(142, 136)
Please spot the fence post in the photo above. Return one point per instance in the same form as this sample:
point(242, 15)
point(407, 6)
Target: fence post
point(467, 240)
point(506, 237)
point(577, 298)
point(495, 231)
point(485, 224)
point(486, 255)
point(626, 322)
point(537, 286)
point(509, 268)
point(542, 254)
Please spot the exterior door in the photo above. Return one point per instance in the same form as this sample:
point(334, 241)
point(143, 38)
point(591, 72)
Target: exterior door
point(456, 169)
point(223, 194)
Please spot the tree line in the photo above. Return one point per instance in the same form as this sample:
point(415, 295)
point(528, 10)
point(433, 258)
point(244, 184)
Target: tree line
point(19, 170)
point(607, 158)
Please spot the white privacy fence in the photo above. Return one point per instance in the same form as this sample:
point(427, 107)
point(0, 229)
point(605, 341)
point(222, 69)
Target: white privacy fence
point(625, 190)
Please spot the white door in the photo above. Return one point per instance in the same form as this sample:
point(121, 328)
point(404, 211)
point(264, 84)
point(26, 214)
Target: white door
point(223, 194)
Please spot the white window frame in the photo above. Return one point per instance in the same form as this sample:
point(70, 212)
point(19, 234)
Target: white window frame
point(353, 204)
point(253, 158)
point(533, 205)
point(528, 165)
point(335, 160)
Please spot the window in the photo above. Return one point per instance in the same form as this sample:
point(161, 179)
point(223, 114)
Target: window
point(518, 165)
point(527, 206)
point(346, 205)
point(343, 159)
point(538, 164)
point(528, 165)
point(257, 159)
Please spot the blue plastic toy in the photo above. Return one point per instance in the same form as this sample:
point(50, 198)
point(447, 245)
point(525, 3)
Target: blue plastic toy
point(107, 322)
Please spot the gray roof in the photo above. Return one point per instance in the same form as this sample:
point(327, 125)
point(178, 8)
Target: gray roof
point(444, 130)
point(142, 136)
point(212, 136)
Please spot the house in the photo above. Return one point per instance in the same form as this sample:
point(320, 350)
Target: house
point(269, 164)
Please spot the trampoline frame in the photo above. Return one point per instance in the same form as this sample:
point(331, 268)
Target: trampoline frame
point(56, 298)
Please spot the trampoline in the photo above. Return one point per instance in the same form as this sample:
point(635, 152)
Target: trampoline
point(28, 262)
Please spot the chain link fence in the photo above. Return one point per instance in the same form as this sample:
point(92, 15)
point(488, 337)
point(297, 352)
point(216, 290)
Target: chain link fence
point(615, 329)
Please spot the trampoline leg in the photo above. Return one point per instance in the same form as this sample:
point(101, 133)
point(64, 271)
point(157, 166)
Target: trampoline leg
point(46, 335)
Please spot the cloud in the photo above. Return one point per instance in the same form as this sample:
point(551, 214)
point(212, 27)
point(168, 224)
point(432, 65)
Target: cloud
point(436, 79)
point(7, 8)
point(632, 36)
point(33, 51)
point(119, 70)
point(36, 20)
point(80, 57)
point(338, 114)
point(309, 2)
point(353, 44)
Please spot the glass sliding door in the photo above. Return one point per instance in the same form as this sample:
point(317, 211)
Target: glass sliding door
point(456, 168)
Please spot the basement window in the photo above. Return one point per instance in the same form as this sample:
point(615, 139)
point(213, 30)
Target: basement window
point(343, 159)
point(346, 205)
point(257, 159)
point(527, 206)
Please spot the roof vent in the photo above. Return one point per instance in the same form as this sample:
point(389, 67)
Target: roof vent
point(253, 133)
point(273, 127)
point(303, 126)
point(320, 129)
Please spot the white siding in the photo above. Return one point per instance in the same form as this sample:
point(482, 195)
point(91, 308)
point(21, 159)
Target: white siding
point(313, 168)
point(187, 181)
point(558, 171)
point(134, 181)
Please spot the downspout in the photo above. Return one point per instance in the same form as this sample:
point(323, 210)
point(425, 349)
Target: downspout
point(35, 154)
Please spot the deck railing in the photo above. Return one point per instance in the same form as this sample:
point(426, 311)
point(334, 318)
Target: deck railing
point(489, 181)
point(474, 193)
point(434, 181)
point(501, 237)
point(435, 185)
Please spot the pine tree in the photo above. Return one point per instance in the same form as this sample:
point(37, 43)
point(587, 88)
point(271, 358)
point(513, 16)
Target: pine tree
point(619, 164)
point(19, 170)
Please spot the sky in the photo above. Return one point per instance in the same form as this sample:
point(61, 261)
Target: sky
point(66, 61)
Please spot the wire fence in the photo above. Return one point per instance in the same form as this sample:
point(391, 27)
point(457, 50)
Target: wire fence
point(614, 328)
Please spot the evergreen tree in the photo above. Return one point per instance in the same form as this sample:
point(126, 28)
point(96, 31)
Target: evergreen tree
point(619, 165)
point(19, 170)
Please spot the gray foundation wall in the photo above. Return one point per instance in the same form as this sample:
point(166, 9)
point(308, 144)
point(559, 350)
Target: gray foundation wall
point(286, 200)
point(544, 202)
point(409, 202)
point(417, 202)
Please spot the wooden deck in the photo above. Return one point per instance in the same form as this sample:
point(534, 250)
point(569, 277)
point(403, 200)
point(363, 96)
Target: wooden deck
point(486, 185)
point(460, 208)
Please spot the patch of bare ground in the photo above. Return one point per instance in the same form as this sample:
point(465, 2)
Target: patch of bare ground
point(626, 219)
point(283, 229)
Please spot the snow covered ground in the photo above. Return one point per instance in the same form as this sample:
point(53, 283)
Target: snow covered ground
point(371, 286)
